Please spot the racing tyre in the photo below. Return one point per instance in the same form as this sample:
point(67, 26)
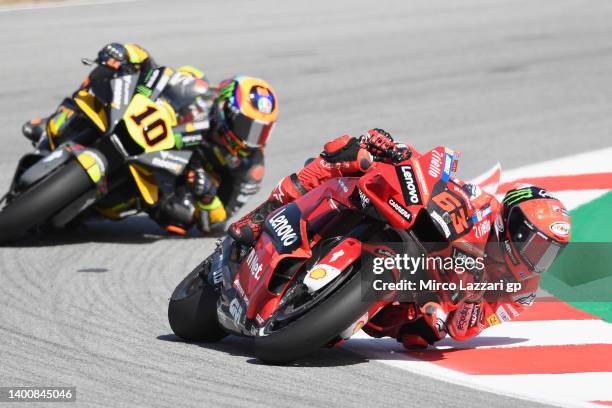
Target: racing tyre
point(192, 311)
point(315, 328)
point(33, 207)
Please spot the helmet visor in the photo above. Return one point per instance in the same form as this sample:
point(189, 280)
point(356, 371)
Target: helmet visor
point(536, 249)
point(251, 132)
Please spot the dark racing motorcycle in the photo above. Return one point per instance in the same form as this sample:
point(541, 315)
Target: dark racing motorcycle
point(301, 286)
point(109, 151)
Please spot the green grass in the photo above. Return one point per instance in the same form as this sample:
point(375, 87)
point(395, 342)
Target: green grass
point(582, 275)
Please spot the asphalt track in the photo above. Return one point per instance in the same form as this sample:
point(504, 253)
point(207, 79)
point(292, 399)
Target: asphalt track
point(515, 81)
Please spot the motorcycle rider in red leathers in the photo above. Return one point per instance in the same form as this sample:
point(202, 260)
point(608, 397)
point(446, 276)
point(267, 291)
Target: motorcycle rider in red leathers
point(519, 237)
point(225, 126)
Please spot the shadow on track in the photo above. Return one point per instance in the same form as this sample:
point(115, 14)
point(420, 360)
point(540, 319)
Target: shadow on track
point(135, 230)
point(243, 347)
point(390, 349)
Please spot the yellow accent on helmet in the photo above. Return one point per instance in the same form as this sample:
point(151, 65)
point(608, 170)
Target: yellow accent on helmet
point(136, 54)
point(191, 70)
point(246, 85)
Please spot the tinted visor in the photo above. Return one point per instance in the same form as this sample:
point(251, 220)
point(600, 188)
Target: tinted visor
point(536, 249)
point(251, 132)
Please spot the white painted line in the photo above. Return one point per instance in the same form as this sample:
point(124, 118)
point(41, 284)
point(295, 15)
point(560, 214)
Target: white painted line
point(574, 387)
point(53, 5)
point(537, 333)
point(390, 352)
point(598, 161)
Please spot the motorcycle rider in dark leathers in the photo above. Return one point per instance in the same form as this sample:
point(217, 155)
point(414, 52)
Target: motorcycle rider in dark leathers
point(226, 127)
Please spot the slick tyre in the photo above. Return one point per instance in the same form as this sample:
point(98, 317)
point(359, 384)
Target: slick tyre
point(35, 206)
point(316, 328)
point(192, 311)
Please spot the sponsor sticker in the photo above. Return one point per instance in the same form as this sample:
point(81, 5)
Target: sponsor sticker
point(255, 267)
point(319, 276)
point(401, 210)
point(318, 273)
point(283, 230)
point(435, 164)
point(448, 164)
point(420, 177)
point(502, 314)
point(493, 320)
point(408, 182)
point(482, 229)
point(463, 318)
point(343, 185)
point(365, 201)
point(499, 223)
point(235, 309)
point(168, 165)
point(440, 221)
point(481, 213)
point(475, 315)
point(524, 299)
point(560, 228)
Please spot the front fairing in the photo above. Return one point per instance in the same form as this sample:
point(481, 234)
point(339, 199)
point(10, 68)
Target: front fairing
point(251, 292)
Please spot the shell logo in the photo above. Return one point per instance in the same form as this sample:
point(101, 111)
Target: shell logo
point(318, 273)
point(358, 326)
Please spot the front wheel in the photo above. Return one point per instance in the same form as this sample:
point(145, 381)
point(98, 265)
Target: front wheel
point(192, 311)
point(316, 328)
point(33, 207)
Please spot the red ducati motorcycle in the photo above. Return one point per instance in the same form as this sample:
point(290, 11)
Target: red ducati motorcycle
point(302, 285)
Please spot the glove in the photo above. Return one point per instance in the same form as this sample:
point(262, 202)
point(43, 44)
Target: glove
point(201, 183)
point(427, 329)
point(401, 153)
point(381, 144)
point(378, 142)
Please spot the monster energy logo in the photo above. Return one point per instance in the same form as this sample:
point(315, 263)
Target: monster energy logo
point(148, 76)
point(515, 196)
point(227, 90)
point(144, 90)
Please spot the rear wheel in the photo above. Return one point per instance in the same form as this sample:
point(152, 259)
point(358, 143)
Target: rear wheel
point(33, 207)
point(192, 311)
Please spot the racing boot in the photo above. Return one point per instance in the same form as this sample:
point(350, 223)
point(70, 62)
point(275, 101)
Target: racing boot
point(248, 229)
point(35, 130)
point(175, 213)
point(213, 216)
